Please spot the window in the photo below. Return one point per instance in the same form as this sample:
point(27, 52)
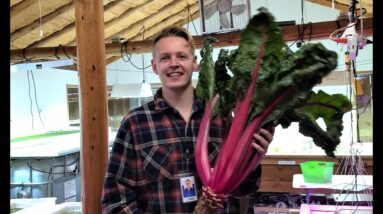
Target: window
point(363, 92)
point(117, 107)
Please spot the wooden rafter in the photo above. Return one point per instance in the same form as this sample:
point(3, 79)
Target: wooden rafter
point(177, 10)
point(320, 30)
point(123, 19)
point(67, 33)
point(27, 11)
point(343, 5)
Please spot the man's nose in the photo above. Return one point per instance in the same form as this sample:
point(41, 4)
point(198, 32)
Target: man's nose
point(174, 61)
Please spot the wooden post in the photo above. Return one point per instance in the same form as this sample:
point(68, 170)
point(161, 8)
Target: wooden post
point(89, 17)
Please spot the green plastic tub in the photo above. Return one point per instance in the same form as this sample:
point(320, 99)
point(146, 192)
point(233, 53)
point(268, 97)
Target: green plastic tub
point(317, 171)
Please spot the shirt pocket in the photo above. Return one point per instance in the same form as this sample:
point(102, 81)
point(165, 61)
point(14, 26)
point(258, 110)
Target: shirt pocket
point(158, 162)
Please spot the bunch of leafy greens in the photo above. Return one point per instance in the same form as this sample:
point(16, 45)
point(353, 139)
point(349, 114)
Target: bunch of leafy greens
point(283, 72)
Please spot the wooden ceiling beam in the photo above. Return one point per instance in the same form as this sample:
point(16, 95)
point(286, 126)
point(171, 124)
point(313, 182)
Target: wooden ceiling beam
point(148, 32)
point(320, 30)
point(361, 3)
point(50, 24)
point(112, 10)
point(14, 2)
point(175, 9)
point(141, 16)
point(36, 24)
point(127, 18)
point(112, 13)
point(111, 59)
point(343, 5)
point(189, 13)
point(67, 34)
point(27, 11)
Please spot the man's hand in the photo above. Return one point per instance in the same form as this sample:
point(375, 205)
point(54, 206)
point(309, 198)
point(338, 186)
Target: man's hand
point(262, 140)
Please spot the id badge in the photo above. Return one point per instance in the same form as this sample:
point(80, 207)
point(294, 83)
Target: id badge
point(188, 189)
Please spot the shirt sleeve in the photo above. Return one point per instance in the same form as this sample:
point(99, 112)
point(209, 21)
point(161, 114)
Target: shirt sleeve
point(118, 194)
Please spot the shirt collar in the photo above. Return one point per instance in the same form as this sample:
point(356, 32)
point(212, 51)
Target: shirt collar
point(161, 104)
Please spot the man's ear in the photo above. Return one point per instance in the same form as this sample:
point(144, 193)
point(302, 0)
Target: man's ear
point(154, 66)
point(196, 66)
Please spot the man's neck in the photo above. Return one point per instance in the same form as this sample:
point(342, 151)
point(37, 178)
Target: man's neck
point(182, 100)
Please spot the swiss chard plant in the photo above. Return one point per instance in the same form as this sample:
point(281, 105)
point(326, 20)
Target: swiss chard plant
point(262, 83)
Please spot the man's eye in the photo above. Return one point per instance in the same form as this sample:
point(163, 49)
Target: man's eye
point(164, 58)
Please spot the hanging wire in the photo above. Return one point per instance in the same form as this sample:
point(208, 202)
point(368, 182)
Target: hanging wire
point(25, 58)
point(62, 47)
point(47, 187)
point(65, 51)
point(30, 99)
point(190, 19)
point(41, 24)
point(301, 32)
point(352, 163)
point(37, 105)
point(142, 56)
point(361, 19)
point(29, 77)
point(50, 171)
point(124, 51)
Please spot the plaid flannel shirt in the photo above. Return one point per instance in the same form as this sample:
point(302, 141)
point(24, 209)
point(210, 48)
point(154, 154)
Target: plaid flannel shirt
point(149, 154)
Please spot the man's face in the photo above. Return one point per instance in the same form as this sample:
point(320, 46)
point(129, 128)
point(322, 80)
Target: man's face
point(173, 62)
point(187, 184)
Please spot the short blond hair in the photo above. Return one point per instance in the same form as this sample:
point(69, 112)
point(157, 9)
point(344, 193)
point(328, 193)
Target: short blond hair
point(178, 32)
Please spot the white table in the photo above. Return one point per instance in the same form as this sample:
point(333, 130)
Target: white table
point(352, 197)
point(353, 183)
point(326, 209)
point(49, 152)
point(50, 146)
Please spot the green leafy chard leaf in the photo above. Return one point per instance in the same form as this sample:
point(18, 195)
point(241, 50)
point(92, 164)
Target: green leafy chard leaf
point(227, 98)
point(283, 73)
point(205, 88)
point(243, 59)
point(331, 109)
point(298, 74)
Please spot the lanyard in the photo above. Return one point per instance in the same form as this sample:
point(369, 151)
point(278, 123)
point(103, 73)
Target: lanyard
point(186, 147)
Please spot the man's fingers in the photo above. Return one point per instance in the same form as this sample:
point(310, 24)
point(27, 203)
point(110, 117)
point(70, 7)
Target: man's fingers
point(262, 140)
point(270, 127)
point(259, 148)
point(266, 134)
point(260, 144)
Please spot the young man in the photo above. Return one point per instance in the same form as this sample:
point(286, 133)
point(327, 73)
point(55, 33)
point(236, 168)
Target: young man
point(153, 149)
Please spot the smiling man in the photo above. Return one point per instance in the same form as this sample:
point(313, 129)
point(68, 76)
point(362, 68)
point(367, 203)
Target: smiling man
point(153, 152)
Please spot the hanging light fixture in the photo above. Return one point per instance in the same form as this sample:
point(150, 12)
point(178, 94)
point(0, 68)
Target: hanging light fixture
point(131, 90)
point(146, 89)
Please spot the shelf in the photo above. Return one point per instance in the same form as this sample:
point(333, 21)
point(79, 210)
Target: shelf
point(339, 182)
